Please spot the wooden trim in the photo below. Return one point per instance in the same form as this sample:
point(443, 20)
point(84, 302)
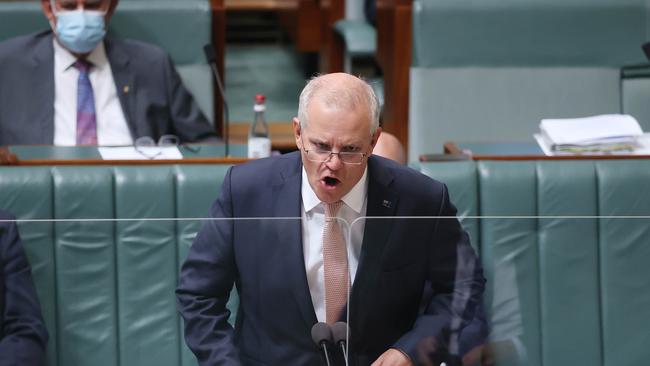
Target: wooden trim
point(331, 51)
point(257, 5)
point(7, 157)
point(450, 147)
point(563, 157)
point(48, 162)
point(394, 55)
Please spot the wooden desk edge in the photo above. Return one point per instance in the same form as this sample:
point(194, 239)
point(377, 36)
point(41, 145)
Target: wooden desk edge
point(46, 162)
point(452, 148)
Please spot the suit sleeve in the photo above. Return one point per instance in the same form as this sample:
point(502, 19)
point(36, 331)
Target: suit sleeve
point(23, 337)
point(206, 279)
point(457, 283)
point(189, 123)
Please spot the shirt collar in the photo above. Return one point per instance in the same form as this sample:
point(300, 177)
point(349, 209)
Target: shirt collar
point(354, 199)
point(65, 59)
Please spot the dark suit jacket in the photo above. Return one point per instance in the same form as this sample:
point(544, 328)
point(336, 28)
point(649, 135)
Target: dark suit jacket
point(23, 337)
point(265, 260)
point(155, 104)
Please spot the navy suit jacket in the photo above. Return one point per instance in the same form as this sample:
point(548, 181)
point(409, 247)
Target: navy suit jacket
point(154, 104)
point(23, 337)
point(265, 260)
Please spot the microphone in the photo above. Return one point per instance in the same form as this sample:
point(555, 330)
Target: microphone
point(646, 49)
point(321, 334)
point(341, 333)
point(211, 57)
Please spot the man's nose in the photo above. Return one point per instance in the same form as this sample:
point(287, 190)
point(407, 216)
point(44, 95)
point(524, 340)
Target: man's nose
point(334, 162)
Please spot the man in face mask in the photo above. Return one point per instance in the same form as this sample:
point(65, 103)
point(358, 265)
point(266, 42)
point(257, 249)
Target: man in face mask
point(73, 85)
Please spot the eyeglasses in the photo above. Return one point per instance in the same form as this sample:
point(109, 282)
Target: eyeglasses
point(147, 146)
point(322, 156)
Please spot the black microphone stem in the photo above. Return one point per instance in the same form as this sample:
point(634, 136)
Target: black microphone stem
point(327, 358)
point(345, 353)
point(226, 133)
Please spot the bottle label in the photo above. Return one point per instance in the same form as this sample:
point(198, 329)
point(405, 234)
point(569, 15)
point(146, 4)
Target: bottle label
point(259, 147)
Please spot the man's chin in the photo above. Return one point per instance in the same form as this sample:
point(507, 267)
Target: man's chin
point(329, 196)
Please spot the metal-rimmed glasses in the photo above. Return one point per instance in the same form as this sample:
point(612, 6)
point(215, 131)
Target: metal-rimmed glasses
point(147, 146)
point(322, 156)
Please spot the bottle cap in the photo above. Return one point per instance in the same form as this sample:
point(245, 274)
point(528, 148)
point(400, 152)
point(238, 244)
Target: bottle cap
point(259, 98)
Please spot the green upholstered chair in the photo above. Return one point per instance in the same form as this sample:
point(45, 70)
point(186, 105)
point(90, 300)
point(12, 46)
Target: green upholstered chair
point(572, 238)
point(564, 245)
point(491, 70)
point(106, 287)
point(181, 28)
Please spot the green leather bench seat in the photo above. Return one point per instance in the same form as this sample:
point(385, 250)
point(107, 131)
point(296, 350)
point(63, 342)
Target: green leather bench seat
point(491, 70)
point(581, 284)
point(107, 287)
point(563, 244)
point(181, 28)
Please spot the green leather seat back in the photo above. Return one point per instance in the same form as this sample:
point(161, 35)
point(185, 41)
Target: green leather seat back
point(181, 28)
point(19, 18)
point(462, 181)
point(568, 263)
point(509, 250)
point(491, 70)
point(624, 256)
point(27, 193)
point(191, 179)
point(107, 286)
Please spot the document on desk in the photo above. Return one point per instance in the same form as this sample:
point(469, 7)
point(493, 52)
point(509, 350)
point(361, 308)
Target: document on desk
point(140, 153)
point(641, 147)
point(603, 129)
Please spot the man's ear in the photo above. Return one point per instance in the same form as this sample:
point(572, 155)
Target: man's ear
point(47, 10)
point(375, 138)
point(297, 132)
point(111, 10)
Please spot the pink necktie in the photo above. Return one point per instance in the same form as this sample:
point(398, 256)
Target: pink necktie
point(335, 265)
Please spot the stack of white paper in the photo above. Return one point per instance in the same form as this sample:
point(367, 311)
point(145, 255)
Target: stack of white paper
point(603, 133)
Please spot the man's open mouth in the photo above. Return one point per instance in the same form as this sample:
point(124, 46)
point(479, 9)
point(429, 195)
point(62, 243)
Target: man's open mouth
point(331, 182)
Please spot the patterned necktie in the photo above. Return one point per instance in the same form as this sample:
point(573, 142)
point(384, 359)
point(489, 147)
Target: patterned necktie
point(86, 118)
point(335, 264)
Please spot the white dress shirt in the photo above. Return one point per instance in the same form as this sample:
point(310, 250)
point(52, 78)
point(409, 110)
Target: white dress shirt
point(313, 222)
point(112, 128)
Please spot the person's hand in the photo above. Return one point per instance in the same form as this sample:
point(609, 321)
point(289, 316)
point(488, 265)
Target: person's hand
point(392, 357)
point(475, 356)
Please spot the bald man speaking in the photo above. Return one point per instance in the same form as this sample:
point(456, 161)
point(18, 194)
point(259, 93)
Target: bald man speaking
point(292, 274)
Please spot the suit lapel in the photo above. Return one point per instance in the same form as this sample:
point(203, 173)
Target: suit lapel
point(42, 81)
point(124, 82)
point(382, 202)
point(287, 203)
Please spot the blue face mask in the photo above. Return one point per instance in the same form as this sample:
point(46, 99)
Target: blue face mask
point(80, 30)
